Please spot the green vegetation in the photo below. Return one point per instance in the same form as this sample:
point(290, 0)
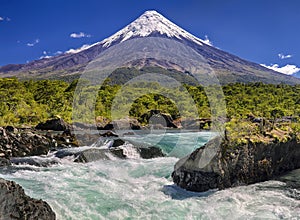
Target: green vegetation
point(29, 102)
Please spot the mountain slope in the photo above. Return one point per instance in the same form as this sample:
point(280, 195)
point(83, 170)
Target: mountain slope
point(229, 68)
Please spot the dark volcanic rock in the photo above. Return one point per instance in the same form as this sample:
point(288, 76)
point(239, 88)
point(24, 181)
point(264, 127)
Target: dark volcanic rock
point(90, 155)
point(56, 124)
point(118, 142)
point(22, 144)
point(220, 165)
point(122, 124)
point(151, 152)
point(109, 134)
point(15, 204)
point(4, 162)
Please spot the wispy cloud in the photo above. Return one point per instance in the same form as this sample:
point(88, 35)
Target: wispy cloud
point(83, 47)
point(79, 35)
point(288, 69)
point(33, 43)
point(282, 56)
point(4, 18)
point(207, 41)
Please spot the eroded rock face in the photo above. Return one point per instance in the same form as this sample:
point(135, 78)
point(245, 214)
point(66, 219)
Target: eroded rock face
point(235, 165)
point(15, 204)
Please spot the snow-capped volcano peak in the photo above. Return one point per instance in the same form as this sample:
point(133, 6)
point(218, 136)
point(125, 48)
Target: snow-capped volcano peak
point(150, 22)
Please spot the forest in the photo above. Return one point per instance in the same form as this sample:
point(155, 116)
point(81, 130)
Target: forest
point(32, 101)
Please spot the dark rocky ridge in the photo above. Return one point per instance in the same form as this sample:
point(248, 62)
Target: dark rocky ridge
point(15, 204)
point(232, 166)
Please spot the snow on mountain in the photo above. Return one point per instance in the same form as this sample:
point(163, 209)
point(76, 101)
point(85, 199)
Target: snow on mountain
point(148, 23)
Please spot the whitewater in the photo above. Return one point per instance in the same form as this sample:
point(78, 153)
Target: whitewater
point(143, 189)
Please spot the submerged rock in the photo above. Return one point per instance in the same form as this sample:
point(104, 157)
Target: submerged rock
point(91, 155)
point(35, 161)
point(219, 164)
point(15, 204)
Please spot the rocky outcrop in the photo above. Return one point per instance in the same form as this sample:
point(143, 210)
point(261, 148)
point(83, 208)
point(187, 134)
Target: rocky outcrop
point(21, 143)
point(13, 144)
point(56, 124)
point(221, 164)
point(15, 204)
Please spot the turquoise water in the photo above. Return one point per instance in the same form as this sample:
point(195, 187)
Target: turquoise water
point(143, 189)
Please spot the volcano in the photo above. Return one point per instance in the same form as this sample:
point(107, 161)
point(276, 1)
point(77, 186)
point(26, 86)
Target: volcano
point(228, 68)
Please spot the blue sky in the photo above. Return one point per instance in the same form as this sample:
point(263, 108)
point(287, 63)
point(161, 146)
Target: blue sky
point(256, 30)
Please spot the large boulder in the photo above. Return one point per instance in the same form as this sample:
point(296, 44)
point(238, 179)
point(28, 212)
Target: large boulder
point(157, 119)
point(15, 204)
point(221, 164)
point(56, 124)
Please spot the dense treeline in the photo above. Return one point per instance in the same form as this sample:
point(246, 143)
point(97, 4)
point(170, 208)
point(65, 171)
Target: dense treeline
point(29, 102)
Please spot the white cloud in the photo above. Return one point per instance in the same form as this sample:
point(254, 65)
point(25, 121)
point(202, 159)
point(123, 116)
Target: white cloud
point(58, 52)
point(282, 56)
point(8, 19)
point(207, 41)
point(288, 69)
point(79, 35)
point(45, 55)
point(1, 18)
point(85, 46)
point(33, 43)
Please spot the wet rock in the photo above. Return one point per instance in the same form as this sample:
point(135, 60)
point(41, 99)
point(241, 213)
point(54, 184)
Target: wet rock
point(109, 134)
point(91, 155)
point(117, 142)
point(34, 161)
point(15, 204)
point(4, 162)
point(150, 152)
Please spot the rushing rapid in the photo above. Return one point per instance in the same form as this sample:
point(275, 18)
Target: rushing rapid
point(143, 189)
